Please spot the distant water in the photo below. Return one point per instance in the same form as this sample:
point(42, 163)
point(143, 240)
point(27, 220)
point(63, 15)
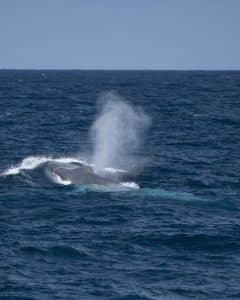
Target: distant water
point(177, 236)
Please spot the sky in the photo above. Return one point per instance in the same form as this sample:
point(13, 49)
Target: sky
point(120, 34)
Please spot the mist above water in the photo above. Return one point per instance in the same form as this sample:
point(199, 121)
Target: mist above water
point(118, 133)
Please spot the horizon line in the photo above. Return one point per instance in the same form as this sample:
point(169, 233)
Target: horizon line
point(112, 70)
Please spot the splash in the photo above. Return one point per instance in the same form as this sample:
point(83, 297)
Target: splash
point(57, 179)
point(117, 133)
point(131, 185)
point(32, 162)
point(28, 163)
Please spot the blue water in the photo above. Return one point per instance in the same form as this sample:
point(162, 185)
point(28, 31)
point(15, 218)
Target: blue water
point(176, 237)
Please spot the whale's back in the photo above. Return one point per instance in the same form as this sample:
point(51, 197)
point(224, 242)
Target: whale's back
point(77, 173)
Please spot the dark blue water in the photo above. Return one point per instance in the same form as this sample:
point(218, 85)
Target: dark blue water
point(177, 237)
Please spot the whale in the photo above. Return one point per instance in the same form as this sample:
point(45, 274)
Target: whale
point(77, 173)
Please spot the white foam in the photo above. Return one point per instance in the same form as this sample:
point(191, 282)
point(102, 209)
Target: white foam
point(33, 162)
point(59, 180)
point(132, 185)
point(28, 163)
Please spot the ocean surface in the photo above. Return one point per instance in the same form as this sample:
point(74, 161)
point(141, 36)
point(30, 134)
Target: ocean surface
point(172, 232)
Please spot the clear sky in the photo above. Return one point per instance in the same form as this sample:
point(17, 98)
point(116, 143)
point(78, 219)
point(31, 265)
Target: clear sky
point(120, 34)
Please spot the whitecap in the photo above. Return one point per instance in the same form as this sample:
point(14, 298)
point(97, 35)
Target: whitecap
point(132, 185)
point(33, 162)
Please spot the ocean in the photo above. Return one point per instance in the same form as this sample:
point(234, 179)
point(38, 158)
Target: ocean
point(170, 230)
